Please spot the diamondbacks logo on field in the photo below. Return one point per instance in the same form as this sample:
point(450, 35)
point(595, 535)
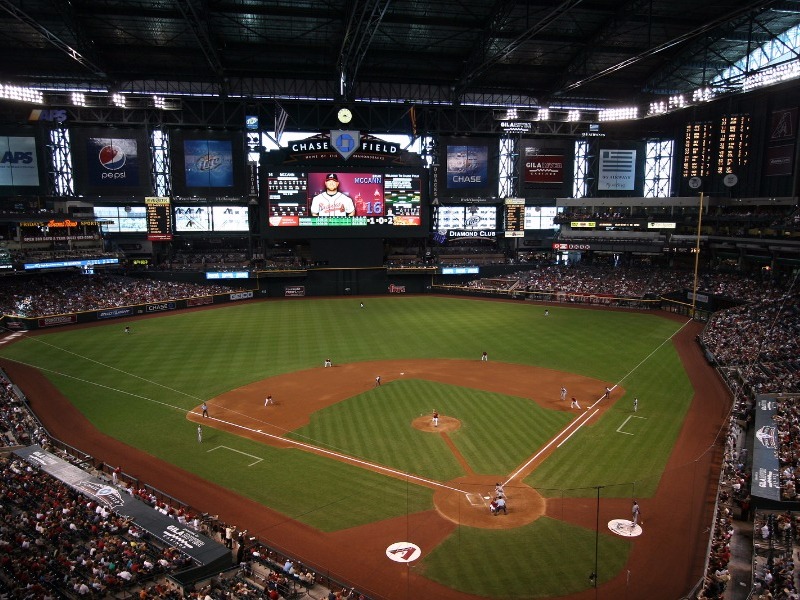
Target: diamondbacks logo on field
point(403, 552)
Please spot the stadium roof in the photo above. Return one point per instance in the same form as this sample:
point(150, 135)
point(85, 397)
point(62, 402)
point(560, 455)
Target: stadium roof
point(590, 53)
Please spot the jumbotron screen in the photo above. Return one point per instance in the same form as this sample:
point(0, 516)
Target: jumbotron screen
point(344, 199)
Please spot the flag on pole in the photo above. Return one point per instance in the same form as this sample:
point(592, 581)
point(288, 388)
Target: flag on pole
point(280, 121)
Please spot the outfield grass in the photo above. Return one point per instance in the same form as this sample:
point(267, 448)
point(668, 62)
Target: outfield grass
point(138, 387)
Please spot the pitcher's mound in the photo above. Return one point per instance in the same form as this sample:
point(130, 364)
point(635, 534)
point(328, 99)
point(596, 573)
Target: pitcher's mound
point(425, 423)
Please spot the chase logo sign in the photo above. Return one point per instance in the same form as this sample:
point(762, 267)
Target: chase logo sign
point(345, 142)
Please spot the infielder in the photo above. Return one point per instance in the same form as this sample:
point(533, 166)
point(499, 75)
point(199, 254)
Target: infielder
point(435, 418)
point(563, 393)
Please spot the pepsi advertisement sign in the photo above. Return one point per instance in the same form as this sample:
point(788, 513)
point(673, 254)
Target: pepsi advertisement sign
point(208, 163)
point(112, 162)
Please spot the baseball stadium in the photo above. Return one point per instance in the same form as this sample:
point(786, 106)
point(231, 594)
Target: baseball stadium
point(456, 323)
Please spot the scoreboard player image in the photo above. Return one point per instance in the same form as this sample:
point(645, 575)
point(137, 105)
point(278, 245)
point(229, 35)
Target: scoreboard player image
point(332, 202)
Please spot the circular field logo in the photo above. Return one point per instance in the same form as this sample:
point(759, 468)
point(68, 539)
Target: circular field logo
point(403, 552)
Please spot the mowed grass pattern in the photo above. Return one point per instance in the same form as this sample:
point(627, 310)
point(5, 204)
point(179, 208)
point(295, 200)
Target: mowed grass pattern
point(137, 388)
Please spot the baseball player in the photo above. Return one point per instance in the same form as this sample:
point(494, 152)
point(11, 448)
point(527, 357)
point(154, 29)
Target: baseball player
point(205, 409)
point(574, 403)
point(635, 514)
point(499, 491)
point(268, 400)
point(563, 393)
point(635, 404)
point(435, 418)
point(199, 434)
point(378, 381)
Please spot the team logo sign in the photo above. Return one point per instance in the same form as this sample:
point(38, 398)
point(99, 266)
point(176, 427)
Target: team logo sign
point(403, 552)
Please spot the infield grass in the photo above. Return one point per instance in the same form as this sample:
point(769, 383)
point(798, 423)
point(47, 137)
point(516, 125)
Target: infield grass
point(138, 388)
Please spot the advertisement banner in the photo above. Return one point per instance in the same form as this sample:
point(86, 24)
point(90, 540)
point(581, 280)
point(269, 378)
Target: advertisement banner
point(780, 160)
point(200, 301)
point(467, 167)
point(766, 481)
point(18, 164)
point(544, 168)
point(208, 163)
point(57, 320)
point(294, 291)
point(112, 162)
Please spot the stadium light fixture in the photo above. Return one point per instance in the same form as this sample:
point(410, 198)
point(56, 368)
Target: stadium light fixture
point(619, 114)
point(13, 92)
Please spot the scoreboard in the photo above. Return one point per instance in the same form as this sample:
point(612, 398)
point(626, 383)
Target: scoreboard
point(514, 221)
point(159, 219)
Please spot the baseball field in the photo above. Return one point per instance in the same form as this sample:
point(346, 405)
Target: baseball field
point(339, 468)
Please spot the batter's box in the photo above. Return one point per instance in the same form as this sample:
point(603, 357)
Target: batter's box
point(475, 500)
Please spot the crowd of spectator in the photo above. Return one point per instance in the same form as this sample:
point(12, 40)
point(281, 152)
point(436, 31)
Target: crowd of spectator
point(633, 282)
point(56, 543)
point(61, 293)
point(758, 344)
point(774, 572)
point(18, 427)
